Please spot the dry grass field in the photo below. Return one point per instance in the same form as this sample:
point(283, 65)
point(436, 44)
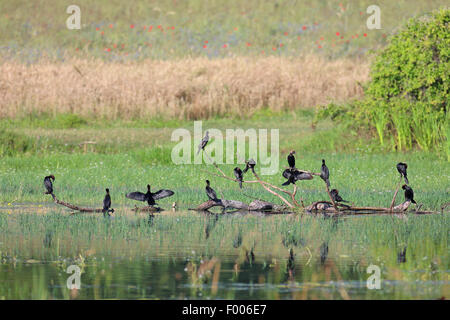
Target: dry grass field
point(181, 89)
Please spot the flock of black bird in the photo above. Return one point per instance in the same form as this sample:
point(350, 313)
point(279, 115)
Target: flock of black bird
point(292, 174)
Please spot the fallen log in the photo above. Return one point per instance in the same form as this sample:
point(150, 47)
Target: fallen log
point(146, 209)
point(256, 205)
point(78, 208)
point(327, 207)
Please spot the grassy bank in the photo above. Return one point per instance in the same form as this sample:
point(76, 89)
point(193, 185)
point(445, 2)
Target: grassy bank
point(127, 157)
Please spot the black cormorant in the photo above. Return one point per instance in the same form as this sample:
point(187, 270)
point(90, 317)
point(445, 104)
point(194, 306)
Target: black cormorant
point(325, 173)
point(291, 159)
point(335, 196)
point(401, 167)
point(48, 184)
point(106, 203)
point(239, 176)
point(293, 175)
point(203, 143)
point(210, 192)
point(409, 193)
point(250, 164)
point(149, 196)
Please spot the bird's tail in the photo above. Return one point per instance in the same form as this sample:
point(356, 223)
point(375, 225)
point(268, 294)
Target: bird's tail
point(328, 182)
point(413, 201)
point(286, 183)
point(240, 184)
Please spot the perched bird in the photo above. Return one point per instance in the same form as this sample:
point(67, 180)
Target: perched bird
point(401, 167)
point(336, 197)
point(409, 193)
point(210, 192)
point(48, 184)
point(291, 159)
point(150, 197)
point(106, 203)
point(325, 173)
point(293, 175)
point(239, 175)
point(204, 142)
point(250, 164)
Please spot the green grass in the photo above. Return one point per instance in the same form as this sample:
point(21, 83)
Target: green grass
point(264, 25)
point(126, 159)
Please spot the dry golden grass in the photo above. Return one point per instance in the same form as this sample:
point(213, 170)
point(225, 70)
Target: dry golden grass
point(185, 89)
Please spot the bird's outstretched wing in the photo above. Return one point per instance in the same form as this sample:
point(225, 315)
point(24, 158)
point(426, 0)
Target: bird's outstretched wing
point(302, 175)
point(139, 196)
point(163, 193)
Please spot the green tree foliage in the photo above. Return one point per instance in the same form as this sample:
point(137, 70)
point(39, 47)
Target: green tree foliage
point(406, 100)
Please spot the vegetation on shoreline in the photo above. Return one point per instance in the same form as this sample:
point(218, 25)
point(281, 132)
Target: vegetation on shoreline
point(406, 101)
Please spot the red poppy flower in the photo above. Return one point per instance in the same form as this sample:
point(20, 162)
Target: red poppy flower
point(111, 26)
point(304, 27)
point(365, 34)
point(131, 26)
point(320, 47)
point(337, 33)
point(285, 33)
point(298, 37)
point(224, 46)
point(205, 46)
point(321, 38)
point(97, 29)
point(206, 41)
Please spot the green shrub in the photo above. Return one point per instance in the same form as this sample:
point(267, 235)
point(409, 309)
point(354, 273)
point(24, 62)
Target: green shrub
point(406, 100)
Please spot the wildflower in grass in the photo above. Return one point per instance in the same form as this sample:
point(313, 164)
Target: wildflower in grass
point(304, 27)
point(150, 28)
point(115, 46)
point(365, 34)
point(322, 38)
point(281, 45)
point(206, 41)
point(132, 26)
point(285, 33)
point(123, 46)
point(248, 44)
point(111, 26)
point(320, 47)
point(97, 29)
point(102, 33)
point(298, 37)
point(274, 48)
point(342, 37)
point(205, 46)
point(337, 34)
point(224, 46)
point(159, 27)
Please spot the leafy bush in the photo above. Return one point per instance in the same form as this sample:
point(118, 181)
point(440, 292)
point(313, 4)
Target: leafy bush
point(406, 100)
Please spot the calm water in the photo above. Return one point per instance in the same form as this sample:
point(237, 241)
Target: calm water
point(192, 256)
